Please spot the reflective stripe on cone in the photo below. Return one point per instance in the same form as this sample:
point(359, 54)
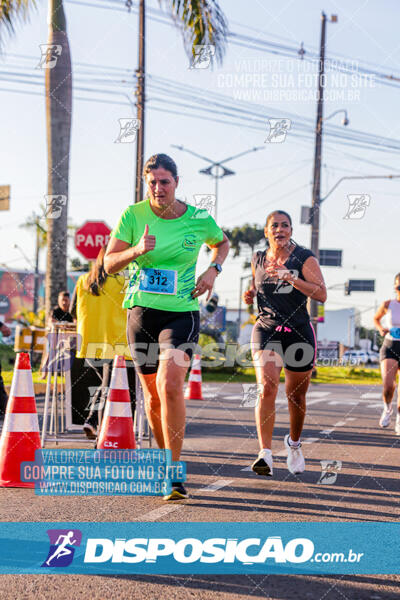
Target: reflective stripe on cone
point(193, 389)
point(117, 425)
point(20, 434)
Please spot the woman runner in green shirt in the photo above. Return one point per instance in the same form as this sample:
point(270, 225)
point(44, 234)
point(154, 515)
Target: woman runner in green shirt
point(160, 239)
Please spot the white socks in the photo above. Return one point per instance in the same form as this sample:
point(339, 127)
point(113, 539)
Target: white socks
point(265, 451)
point(293, 444)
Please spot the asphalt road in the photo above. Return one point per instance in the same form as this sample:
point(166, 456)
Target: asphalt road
point(220, 444)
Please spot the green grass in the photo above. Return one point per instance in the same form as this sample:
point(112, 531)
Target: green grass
point(7, 377)
point(331, 375)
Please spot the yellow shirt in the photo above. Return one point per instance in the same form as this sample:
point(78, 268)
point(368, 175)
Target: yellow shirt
point(101, 320)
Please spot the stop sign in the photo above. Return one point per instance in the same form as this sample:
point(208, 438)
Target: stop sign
point(92, 236)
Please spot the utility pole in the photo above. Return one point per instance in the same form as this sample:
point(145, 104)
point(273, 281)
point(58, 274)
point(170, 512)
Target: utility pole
point(36, 275)
point(317, 165)
point(140, 93)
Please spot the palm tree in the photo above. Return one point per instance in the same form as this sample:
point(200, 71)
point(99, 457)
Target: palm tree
point(202, 23)
point(58, 84)
point(58, 91)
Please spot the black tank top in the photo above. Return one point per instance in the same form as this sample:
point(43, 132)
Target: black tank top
point(279, 303)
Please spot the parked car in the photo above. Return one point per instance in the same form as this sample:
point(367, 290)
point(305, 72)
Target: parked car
point(373, 357)
point(355, 357)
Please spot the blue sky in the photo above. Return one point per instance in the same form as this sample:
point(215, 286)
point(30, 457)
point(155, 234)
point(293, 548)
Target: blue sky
point(279, 176)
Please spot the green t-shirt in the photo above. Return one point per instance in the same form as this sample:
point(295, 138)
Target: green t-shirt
point(178, 242)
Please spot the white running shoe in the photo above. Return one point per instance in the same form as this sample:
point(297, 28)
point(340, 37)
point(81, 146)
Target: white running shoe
point(263, 463)
point(397, 426)
point(295, 459)
point(386, 416)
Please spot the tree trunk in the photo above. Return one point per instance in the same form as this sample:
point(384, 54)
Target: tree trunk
point(58, 81)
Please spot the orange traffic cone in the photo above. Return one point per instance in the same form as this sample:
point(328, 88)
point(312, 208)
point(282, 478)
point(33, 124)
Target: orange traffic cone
point(117, 426)
point(193, 390)
point(20, 435)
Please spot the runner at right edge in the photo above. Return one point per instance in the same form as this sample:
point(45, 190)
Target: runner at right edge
point(285, 275)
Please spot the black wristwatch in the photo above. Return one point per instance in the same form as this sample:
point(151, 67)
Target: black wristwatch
point(216, 266)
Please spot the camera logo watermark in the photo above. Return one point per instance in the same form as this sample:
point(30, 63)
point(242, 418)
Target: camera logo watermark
point(329, 471)
point(205, 205)
point(203, 54)
point(278, 129)
point(54, 205)
point(251, 394)
point(49, 57)
point(128, 129)
point(357, 206)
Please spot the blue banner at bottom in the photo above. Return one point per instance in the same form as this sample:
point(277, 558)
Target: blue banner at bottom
point(200, 548)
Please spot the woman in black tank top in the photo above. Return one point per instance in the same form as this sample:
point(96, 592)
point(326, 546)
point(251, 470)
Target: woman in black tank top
point(285, 275)
point(390, 355)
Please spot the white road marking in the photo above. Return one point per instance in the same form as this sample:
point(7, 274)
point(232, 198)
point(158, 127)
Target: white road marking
point(326, 431)
point(340, 424)
point(371, 395)
point(217, 485)
point(309, 440)
point(346, 402)
point(350, 419)
point(168, 508)
point(317, 394)
point(314, 401)
point(375, 405)
point(158, 512)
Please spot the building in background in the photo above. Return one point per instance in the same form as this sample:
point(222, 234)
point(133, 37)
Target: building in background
point(17, 291)
point(340, 326)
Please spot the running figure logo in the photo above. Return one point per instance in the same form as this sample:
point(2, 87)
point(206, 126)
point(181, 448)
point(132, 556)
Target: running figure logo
point(357, 206)
point(128, 131)
point(251, 394)
point(278, 129)
point(49, 57)
point(98, 397)
point(203, 54)
point(330, 469)
point(61, 551)
point(205, 205)
point(282, 286)
point(54, 205)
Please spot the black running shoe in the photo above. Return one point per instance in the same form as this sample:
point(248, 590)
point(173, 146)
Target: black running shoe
point(263, 464)
point(178, 492)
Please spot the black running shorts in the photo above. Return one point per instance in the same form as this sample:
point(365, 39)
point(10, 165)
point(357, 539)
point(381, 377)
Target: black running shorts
point(150, 330)
point(296, 347)
point(390, 349)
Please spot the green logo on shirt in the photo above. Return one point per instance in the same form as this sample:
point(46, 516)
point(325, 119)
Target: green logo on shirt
point(189, 242)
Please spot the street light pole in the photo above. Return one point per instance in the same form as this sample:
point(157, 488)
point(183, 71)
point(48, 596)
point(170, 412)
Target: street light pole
point(240, 299)
point(140, 105)
point(339, 181)
point(36, 276)
point(219, 170)
point(317, 165)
